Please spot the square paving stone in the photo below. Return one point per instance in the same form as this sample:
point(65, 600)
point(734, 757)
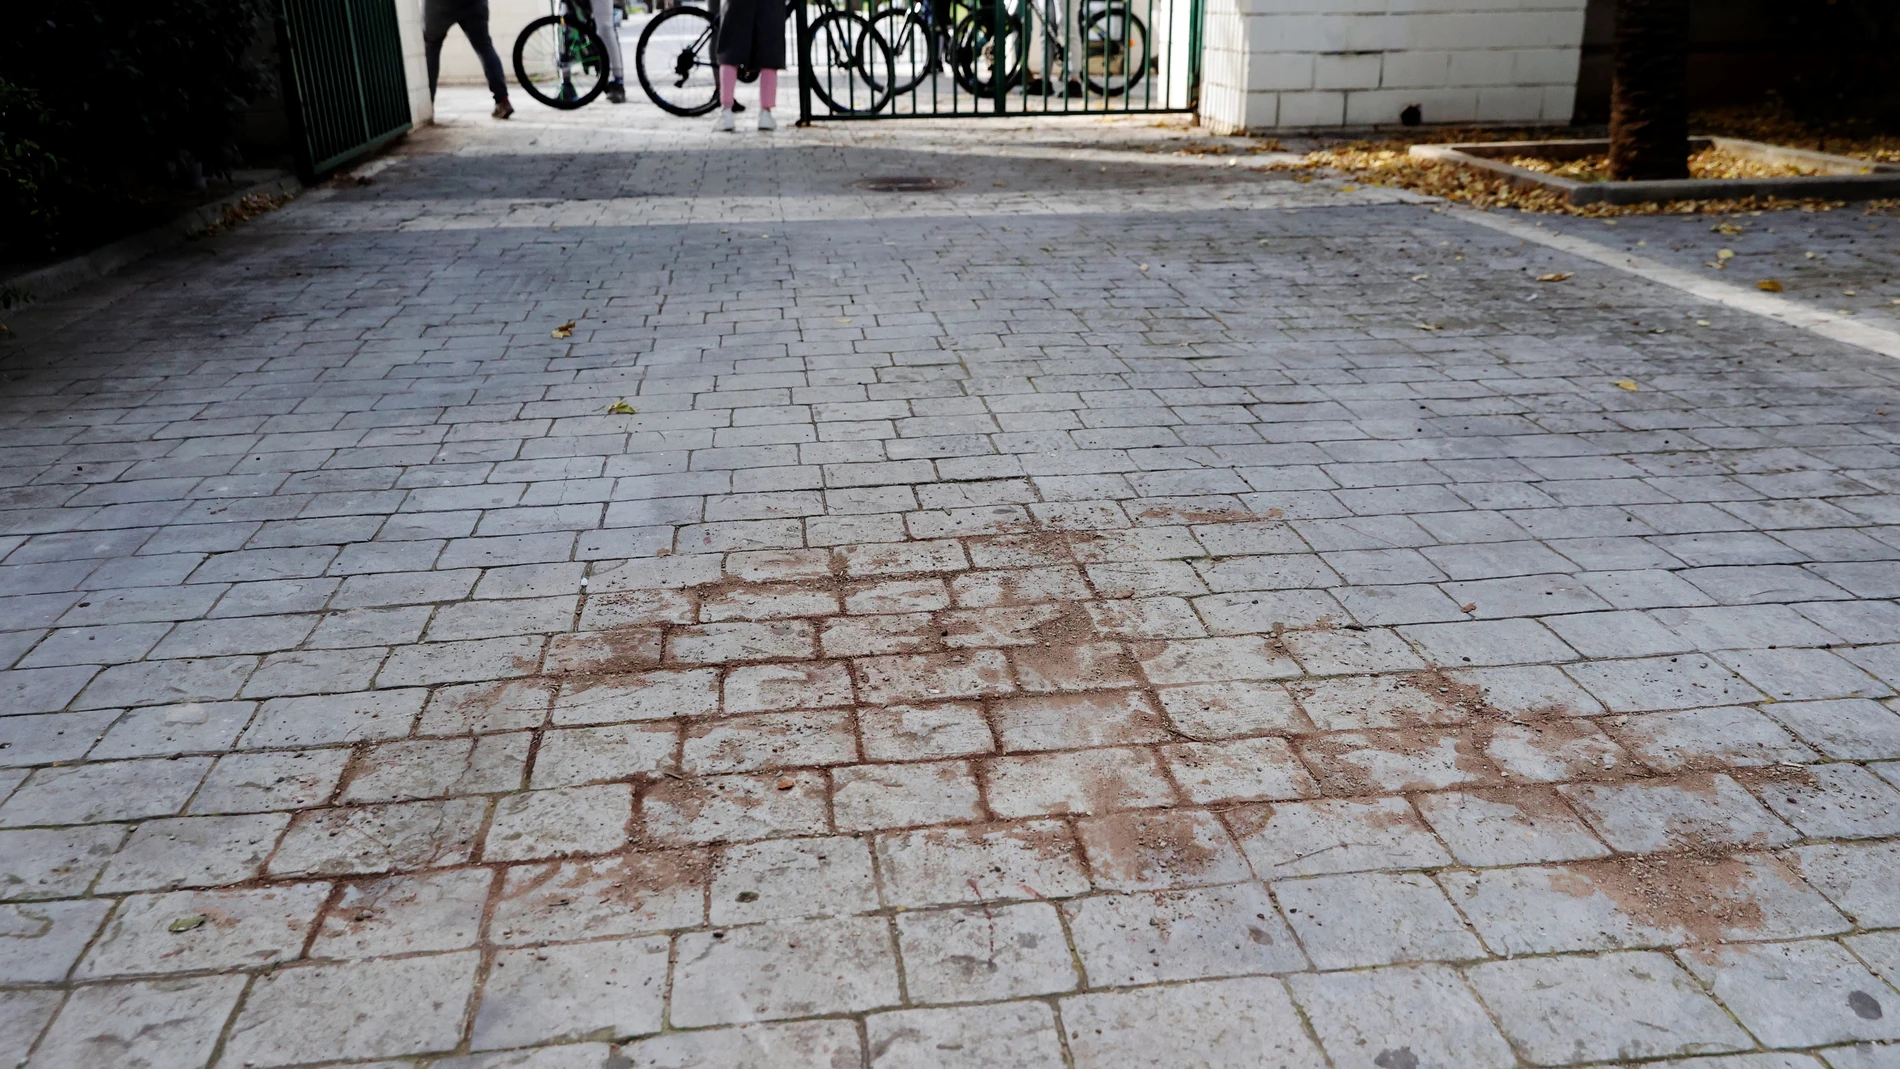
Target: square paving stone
point(188, 930)
point(54, 862)
point(39, 941)
point(786, 879)
point(941, 866)
point(577, 756)
point(1181, 935)
point(643, 696)
point(1689, 811)
point(109, 790)
point(630, 894)
point(1565, 1010)
point(194, 852)
point(976, 954)
point(270, 780)
point(923, 732)
point(1239, 770)
point(1509, 826)
point(1421, 1016)
point(770, 740)
point(1850, 729)
point(570, 991)
point(1334, 835)
point(1688, 681)
point(1622, 904)
point(380, 838)
point(158, 1024)
point(873, 797)
point(1018, 1035)
point(1799, 994)
point(333, 718)
point(1231, 709)
point(784, 970)
point(368, 1009)
point(404, 915)
point(1075, 781)
point(558, 822)
point(1835, 801)
point(23, 1014)
point(438, 768)
point(821, 1044)
point(735, 808)
point(1375, 918)
point(1221, 1024)
point(1724, 737)
point(1157, 850)
point(1857, 877)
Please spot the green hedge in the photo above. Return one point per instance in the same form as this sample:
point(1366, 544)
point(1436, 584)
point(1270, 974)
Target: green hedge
point(109, 104)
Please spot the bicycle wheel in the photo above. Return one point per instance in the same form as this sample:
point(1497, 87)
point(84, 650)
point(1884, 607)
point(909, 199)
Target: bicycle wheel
point(851, 66)
point(980, 58)
point(913, 45)
point(561, 62)
point(675, 61)
point(1115, 51)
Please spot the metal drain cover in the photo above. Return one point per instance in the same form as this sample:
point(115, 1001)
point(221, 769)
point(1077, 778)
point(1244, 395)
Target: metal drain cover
point(902, 183)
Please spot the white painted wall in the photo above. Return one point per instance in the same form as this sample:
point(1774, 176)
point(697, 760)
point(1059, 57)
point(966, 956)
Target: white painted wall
point(414, 68)
point(1316, 64)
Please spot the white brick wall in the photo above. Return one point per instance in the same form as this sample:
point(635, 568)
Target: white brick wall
point(1306, 64)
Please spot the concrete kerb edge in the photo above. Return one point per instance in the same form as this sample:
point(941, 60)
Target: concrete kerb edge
point(58, 278)
point(1852, 182)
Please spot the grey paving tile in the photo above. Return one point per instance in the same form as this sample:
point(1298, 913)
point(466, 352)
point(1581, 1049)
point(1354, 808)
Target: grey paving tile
point(1560, 1011)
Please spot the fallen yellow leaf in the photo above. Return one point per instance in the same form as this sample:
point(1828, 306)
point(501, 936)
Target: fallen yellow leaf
point(1769, 285)
point(1556, 277)
point(1726, 228)
point(1725, 254)
point(1428, 326)
point(565, 330)
point(621, 408)
point(1625, 384)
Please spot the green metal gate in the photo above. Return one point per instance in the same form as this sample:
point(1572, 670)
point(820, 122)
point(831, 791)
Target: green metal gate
point(343, 79)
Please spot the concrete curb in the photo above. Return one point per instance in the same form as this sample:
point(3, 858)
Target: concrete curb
point(1846, 178)
point(54, 279)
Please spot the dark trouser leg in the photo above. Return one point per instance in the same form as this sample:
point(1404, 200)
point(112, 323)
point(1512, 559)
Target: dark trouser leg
point(437, 17)
point(474, 22)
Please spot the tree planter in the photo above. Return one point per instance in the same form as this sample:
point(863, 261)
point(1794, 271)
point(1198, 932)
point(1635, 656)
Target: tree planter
point(1840, 177)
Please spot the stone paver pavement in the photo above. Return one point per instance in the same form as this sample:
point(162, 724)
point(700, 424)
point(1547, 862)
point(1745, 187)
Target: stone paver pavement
point(1126, 610)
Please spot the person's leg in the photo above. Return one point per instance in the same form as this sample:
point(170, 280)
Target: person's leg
point(768, 88)
point(609, 36)
point(474, 22)
point(437, 17)
point(728, 84)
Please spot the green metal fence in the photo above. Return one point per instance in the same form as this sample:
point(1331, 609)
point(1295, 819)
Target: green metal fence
point(343, 79)
point(884, 59)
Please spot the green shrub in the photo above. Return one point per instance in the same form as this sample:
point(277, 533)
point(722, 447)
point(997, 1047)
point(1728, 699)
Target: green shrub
point(123, 102)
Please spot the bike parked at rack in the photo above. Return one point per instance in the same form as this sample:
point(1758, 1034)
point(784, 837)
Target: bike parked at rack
point(560, 60)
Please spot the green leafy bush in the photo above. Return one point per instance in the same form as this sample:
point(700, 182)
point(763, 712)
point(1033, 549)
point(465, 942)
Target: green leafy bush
point(109, 103)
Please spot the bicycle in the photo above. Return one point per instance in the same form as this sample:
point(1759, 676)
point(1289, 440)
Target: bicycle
point(559, 58)
point(677, 67)
point(988, 47)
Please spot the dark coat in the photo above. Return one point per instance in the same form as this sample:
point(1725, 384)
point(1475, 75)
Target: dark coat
point(752, 33)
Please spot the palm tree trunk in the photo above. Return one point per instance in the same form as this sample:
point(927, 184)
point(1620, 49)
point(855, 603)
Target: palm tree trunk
point(1649, 100)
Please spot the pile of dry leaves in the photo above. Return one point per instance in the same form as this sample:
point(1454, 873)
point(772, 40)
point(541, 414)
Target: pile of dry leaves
point(1386, 163)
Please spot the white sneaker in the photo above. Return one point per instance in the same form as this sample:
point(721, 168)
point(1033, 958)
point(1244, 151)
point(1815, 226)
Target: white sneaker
point(766, 122)
point(723, 124)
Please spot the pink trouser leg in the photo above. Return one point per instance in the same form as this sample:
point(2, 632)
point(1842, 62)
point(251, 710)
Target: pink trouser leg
point(728, 79)
point(768, 88)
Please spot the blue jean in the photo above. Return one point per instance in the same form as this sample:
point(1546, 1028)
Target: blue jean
point(472, 16)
